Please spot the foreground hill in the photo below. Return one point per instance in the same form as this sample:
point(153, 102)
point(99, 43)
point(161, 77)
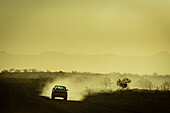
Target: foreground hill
point(134, 101)
point(20, 95)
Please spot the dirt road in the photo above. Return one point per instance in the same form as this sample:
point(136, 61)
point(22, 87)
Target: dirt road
point(21, 96)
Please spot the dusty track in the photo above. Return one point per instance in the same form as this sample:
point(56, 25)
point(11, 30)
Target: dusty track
point(21, 96)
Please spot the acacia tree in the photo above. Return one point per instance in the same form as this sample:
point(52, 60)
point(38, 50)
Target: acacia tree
point(123, 83)
point(25, 70)
point(5, 71)
point(88, 90)
point(11, 70)
point(106, 83)
point(166, 86)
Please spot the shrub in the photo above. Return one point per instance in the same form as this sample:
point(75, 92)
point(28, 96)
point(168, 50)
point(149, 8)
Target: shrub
point(123, 83)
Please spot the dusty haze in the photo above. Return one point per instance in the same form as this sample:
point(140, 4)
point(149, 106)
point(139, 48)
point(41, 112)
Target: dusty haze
point(122, 27)
point(82, 44)
point(102, 63)
point(128, 36)
point(81, 85)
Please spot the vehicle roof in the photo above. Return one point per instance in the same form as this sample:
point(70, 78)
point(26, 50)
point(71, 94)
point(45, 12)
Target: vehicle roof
point(60, 86)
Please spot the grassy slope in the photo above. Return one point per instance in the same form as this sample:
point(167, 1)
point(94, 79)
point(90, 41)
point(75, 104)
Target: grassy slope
point(134, 100)
point(20, 95)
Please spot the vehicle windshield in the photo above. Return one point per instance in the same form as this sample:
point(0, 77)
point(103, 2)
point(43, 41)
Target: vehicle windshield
point(59, 88)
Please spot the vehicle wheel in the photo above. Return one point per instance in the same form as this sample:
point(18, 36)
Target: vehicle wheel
point(65, 98)
point(52, 97)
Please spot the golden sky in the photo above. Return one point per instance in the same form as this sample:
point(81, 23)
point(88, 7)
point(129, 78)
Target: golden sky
point(123, 27)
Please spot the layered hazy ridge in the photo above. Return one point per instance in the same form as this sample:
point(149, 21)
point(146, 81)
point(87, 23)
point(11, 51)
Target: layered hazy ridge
point(105, 63)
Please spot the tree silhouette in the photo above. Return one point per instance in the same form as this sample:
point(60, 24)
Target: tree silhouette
point(106, 82)
point(123, 83)
point(166, 86)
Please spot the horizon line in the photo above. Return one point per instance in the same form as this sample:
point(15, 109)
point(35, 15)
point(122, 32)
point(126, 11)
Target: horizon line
point(160, 52)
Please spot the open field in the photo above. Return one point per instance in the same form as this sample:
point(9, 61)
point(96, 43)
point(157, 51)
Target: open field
point(21, 95)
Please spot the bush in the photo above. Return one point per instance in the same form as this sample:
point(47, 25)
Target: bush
point(123, 83)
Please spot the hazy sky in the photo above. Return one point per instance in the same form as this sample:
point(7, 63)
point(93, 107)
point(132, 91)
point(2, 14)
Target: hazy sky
point(123, 27)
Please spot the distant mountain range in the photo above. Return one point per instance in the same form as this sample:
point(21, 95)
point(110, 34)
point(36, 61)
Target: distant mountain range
point(106, 63)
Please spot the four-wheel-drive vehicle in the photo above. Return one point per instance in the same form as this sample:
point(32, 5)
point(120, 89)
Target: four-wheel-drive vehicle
point(59, 91)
